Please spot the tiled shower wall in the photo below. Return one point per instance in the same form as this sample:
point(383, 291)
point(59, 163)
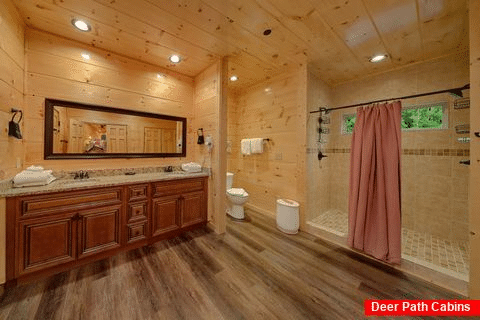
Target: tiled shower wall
point(434, 184)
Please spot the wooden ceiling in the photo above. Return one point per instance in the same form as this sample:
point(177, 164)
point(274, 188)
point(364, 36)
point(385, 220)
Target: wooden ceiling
point(336, 37)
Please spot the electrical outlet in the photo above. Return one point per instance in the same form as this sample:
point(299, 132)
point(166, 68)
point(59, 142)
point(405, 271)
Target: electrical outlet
point(278, 156)
point(19, 163)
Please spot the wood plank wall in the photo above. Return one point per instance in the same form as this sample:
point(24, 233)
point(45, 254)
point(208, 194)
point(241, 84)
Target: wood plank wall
point(11, 84)
point(11, 95)
point(56, 69)
point(274, 109)
point(474, 196)
point(208, 107)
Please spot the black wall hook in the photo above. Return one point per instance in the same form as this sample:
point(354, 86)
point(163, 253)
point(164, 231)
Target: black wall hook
point(477, 134)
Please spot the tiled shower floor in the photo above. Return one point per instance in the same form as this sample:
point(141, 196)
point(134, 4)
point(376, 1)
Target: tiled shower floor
point(425, 249)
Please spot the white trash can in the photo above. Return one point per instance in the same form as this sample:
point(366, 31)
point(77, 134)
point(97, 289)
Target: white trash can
point(288, 219)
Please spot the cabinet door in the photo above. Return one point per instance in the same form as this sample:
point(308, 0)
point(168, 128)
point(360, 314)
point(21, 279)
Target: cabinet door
point(194, 208)
point(165, 214)
point(46, 242)
point(99, 230)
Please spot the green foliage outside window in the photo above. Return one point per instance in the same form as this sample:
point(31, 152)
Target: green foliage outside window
point(424, 118)
point(349, 122)
point(430, 117)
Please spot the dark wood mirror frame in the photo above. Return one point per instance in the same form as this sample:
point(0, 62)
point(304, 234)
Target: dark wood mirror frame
point(49, 116)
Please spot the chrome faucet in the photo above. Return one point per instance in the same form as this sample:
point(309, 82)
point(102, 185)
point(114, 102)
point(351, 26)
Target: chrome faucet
point(81, 175)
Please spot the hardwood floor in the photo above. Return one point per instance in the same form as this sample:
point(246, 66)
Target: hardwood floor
point(251, 272)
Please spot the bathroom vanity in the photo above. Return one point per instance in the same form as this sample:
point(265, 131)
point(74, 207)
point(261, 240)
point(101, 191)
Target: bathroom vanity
point(70, 224)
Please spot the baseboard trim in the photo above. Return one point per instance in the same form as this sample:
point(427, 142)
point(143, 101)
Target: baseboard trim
point(260, 210)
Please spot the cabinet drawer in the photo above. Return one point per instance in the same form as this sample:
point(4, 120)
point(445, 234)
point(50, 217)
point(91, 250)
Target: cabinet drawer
point(177, 187)
point(137, 192)
point(136, 232)
point(137, 211)
point(68, 201)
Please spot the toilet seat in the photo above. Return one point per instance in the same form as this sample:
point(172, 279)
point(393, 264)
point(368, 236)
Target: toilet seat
point(237, 192)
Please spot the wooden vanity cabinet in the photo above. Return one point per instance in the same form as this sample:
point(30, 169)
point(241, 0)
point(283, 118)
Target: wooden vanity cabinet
point(137, 226)
point(178, 205)
point(194, 208)
point(46, 242)
point(53, 232)
point(98, 230)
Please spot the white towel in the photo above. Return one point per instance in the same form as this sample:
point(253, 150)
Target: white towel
point(37, 183)
point(35, 168)
point(246, 146)
point(191, 167)
point(33, 178)
point(257, 145)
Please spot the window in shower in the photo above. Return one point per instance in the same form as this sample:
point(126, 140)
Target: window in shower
point(416, 117)
point(348, 122)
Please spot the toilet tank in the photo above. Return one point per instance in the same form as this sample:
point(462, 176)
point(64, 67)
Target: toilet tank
point(229, 180)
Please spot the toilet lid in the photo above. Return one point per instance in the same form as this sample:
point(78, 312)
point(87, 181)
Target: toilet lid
point(239, 192)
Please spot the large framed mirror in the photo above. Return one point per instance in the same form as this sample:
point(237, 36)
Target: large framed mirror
point(79, 131)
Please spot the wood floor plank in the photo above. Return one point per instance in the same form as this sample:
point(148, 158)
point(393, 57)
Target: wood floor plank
point(254, 271)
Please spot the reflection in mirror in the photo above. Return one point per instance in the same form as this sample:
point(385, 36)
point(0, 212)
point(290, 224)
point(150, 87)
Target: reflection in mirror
point(81, 131)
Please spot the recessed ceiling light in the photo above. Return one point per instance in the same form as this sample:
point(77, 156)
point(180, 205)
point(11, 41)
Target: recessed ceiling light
point(81, 25)
point(175, 58)
point(378, 58)
point(233, 78)
point(86, 56)
point(160, 76)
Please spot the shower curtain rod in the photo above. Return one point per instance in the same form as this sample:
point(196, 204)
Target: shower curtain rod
point(455, 91)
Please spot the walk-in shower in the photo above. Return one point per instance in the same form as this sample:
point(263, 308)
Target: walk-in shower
point(434, 166)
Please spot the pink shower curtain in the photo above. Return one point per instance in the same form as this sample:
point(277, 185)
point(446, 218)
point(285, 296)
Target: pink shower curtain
point(374, 224)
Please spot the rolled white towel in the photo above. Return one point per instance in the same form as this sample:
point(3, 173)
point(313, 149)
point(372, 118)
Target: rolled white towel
point(257, 145)
point(246, 146)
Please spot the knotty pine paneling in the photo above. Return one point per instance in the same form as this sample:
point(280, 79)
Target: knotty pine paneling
point(11, 85)
point(474, 196)
point(207, 116)
point(56, 69)
point(274, 109)
point(11, 95)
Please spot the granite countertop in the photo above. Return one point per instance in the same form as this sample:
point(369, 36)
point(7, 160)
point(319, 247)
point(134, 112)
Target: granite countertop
point(69, 184)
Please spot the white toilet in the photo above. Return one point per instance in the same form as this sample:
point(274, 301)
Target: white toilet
point(237, 198)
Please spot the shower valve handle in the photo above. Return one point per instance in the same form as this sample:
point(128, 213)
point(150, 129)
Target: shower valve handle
point(321, 155)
